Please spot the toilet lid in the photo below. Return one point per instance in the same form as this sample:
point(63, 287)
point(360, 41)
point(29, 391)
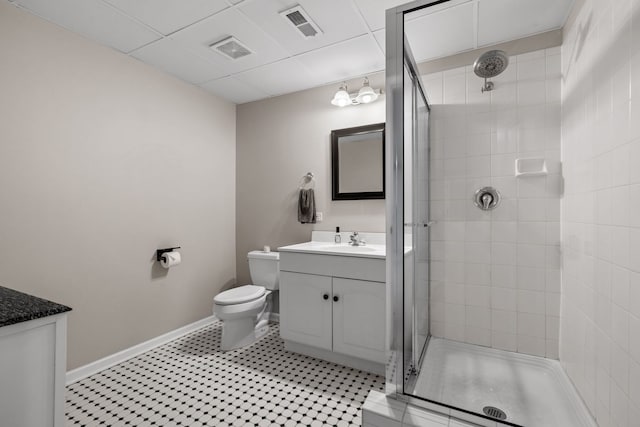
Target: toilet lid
point(239, 295)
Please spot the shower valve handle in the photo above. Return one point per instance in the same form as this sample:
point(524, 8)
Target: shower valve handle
point(486, 201)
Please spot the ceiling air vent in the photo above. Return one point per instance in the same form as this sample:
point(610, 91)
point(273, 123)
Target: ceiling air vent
point(231, 48)
point(297, 17)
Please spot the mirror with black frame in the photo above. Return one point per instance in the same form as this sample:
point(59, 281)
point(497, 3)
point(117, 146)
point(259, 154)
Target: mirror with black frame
point(357, 163)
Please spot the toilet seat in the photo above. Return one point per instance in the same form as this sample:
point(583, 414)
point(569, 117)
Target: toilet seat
point(239, 295)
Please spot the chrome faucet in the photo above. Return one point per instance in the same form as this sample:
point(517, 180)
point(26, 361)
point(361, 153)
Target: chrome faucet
point(355, 239)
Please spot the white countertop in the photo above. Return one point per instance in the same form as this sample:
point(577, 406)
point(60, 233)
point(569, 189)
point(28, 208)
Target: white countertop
point(340, 249)
point(322, 243)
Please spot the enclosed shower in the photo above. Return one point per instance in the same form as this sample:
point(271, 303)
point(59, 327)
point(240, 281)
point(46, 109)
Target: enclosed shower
point(473, 208)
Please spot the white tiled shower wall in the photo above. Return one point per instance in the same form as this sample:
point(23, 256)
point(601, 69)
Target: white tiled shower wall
point(600, 339)
point(495, 276)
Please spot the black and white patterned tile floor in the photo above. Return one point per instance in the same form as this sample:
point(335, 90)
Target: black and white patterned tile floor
point(190, 382)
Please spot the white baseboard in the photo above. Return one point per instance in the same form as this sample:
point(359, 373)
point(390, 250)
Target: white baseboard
point(126, 354)
point(274, 317)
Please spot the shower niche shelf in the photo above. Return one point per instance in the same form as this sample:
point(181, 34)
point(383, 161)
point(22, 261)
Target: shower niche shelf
point(531, 167)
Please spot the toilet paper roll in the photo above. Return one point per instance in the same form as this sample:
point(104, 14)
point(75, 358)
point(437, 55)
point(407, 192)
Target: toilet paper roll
point(170, 259)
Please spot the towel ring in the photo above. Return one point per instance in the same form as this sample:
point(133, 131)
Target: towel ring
point(308, 181)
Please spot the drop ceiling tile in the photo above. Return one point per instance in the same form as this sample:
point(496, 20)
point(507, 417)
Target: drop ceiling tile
point(230, 22)
point(437, 8)
point(234, 90)
point(355, 57)
point(337, 19)
point(374, 11)
point(169, 56)
point(281, 77)
point(168, 16)
point(94, 20)
point(442, 33)
point(503, 20)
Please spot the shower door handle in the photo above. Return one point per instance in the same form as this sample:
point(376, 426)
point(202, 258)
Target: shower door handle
point(420, 224)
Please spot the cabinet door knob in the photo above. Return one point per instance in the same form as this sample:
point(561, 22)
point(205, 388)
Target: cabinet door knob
point(335, 298)
point(325, 297)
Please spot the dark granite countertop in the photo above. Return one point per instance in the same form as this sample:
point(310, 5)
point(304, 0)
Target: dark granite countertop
point(16, 307)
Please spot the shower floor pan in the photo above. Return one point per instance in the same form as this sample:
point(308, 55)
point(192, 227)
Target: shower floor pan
point(531, 391)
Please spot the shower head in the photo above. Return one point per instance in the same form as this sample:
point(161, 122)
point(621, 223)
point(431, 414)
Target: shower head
point(489, 65)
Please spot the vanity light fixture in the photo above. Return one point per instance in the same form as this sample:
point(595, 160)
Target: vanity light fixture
point(342, 97)
point(365, 95)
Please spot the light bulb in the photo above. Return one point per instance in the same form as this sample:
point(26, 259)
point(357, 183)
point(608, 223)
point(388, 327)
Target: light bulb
point(366, 99)
point(366, 94)
point(341, 98)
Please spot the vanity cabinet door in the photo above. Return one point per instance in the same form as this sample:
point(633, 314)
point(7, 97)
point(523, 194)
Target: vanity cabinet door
point(359, 318)
point(305, 309)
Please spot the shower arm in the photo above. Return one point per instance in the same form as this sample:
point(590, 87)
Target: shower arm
point(488, 86)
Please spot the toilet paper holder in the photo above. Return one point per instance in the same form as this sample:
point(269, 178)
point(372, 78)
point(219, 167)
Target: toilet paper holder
point(160, 252)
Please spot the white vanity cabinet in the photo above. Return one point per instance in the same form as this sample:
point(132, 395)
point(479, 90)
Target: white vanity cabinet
point(32, 368)
point(358, 318)
point(306, 309)
point(333, 307)
point(33, 351)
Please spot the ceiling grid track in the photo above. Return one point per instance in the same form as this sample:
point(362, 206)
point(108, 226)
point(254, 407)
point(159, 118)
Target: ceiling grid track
point(175, 36)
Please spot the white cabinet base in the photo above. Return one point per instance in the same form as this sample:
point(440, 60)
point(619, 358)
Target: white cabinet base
point(332, 307)
point(359, 319)
point(32, 372)
point(340, 359)
point(305, 314)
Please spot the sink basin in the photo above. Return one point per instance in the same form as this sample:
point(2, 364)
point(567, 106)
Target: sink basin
point(346, 248)
point(343, 249)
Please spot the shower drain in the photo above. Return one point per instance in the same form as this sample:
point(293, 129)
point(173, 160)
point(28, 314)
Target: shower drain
point(494, 412)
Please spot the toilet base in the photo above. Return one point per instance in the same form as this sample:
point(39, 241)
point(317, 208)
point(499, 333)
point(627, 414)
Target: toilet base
point(262, 328)
point(237, 333)
point(243, 324)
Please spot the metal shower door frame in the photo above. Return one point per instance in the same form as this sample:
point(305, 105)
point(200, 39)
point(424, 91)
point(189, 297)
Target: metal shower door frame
point(398, 55)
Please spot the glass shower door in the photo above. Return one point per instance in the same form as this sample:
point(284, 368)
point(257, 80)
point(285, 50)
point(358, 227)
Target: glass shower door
point(422, 223)
point(416, 221)
point(410, 348)
point(408, 210)
point(415, 215)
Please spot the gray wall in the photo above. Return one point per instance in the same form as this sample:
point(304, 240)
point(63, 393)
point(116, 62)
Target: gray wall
point(102, 160)
point(278, 141)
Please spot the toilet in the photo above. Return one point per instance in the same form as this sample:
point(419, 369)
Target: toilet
point(244, 310)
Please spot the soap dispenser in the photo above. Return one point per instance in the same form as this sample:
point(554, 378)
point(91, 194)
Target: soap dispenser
point(337, 237)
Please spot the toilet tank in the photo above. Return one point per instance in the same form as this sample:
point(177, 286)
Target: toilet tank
point(264, 268)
